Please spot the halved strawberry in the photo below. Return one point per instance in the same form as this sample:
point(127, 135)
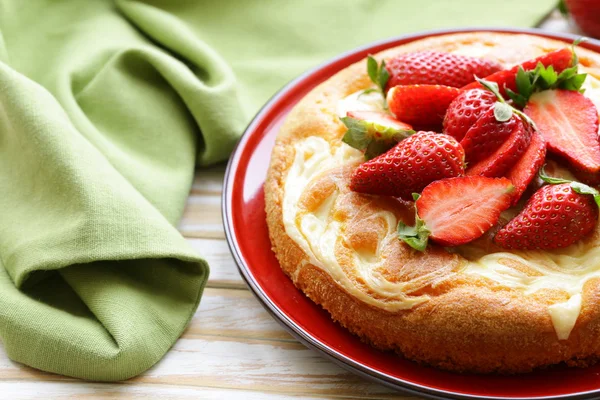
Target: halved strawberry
point(559, 59)
point(569, 122)
point(499, 162)
point(436, 68)
point(524, 170)
point(410, 166)
point(422, 106)
point(465, 110)
point(487, 135)
point(456, 211)
point(373, 132)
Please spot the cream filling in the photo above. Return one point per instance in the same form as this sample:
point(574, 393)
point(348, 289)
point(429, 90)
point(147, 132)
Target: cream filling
point(318, 234)
point(361, 101)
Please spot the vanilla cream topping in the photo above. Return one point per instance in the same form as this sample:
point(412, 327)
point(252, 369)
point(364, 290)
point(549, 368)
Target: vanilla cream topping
point(318, 234)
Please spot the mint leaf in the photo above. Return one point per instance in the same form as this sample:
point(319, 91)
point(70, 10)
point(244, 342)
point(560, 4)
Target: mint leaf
point(372, 69)
point(502, 112)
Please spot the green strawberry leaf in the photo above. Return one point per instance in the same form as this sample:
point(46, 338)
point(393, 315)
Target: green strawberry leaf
point(416, 236)
point(502, 112)
point(517, 98)
point(524, 84)
point(573, 83)
point(384, 76)
point(372, 69)
point(372, 137)
point(547, 77)
point(562, 7)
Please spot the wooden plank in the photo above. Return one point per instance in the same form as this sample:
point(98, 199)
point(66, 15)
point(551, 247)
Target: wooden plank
point(232, 343)
point(223, 270)
point(97, 391)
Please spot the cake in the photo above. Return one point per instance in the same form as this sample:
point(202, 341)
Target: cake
point(471, 307)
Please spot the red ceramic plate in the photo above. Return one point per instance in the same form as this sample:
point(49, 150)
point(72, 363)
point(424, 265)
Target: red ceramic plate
point(246, 230)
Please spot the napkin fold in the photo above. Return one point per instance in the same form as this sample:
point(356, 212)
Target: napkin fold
point(105, 109)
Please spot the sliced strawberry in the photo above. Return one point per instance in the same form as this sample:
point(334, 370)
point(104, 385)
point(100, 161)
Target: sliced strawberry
point(373, 132)
point(436, 68)
point(422, 106)
point(524, 170)
point(502, 160)
point(465, 110)
point(569, 122)
point(486, 136)
point(559, 59)
point(456, 211)
point(410, 166)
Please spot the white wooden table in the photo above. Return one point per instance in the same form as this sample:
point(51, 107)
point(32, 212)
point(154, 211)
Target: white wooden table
point(232, 348)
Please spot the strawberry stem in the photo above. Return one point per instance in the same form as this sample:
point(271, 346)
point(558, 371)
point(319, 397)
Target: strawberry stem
point(416, 236)
point(379, 75)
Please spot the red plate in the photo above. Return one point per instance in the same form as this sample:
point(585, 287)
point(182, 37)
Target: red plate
point(246, 231)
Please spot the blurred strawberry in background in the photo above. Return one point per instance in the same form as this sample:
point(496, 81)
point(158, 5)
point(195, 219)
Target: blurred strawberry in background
point(585, 13)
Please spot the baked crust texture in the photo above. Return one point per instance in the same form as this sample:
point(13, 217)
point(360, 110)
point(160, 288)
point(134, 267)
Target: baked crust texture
point(459, 322)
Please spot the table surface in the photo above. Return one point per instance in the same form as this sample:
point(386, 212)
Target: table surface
point(232, 347)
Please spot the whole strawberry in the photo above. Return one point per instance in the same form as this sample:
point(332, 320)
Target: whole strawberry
point(436, 68)
point(585, 13)
point(465, 110)
point(556, 216)
point(410, 166)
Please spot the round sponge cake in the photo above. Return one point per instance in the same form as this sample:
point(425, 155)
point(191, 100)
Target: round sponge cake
point(472, 308)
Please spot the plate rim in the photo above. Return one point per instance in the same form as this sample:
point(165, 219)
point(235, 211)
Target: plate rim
point(280, 316)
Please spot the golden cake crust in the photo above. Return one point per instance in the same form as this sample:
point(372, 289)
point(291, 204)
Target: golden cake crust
point(467, 323)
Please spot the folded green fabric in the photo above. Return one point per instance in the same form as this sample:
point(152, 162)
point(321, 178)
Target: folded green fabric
point(105, 108)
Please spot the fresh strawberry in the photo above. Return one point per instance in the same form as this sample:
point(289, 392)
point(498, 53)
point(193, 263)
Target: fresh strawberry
point(524, 170)
point(435, 68)
point(422, 106)
point(373, 132)
point(559, 59)
point(557, 215)
point(585, 13)
point(487, 135)
point(410, 166)
point(465, 110)
point(456, 211)
point(505, 156)
point(569, 122)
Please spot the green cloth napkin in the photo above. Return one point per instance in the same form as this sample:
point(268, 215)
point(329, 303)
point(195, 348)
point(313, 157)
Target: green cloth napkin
point(105, 108)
